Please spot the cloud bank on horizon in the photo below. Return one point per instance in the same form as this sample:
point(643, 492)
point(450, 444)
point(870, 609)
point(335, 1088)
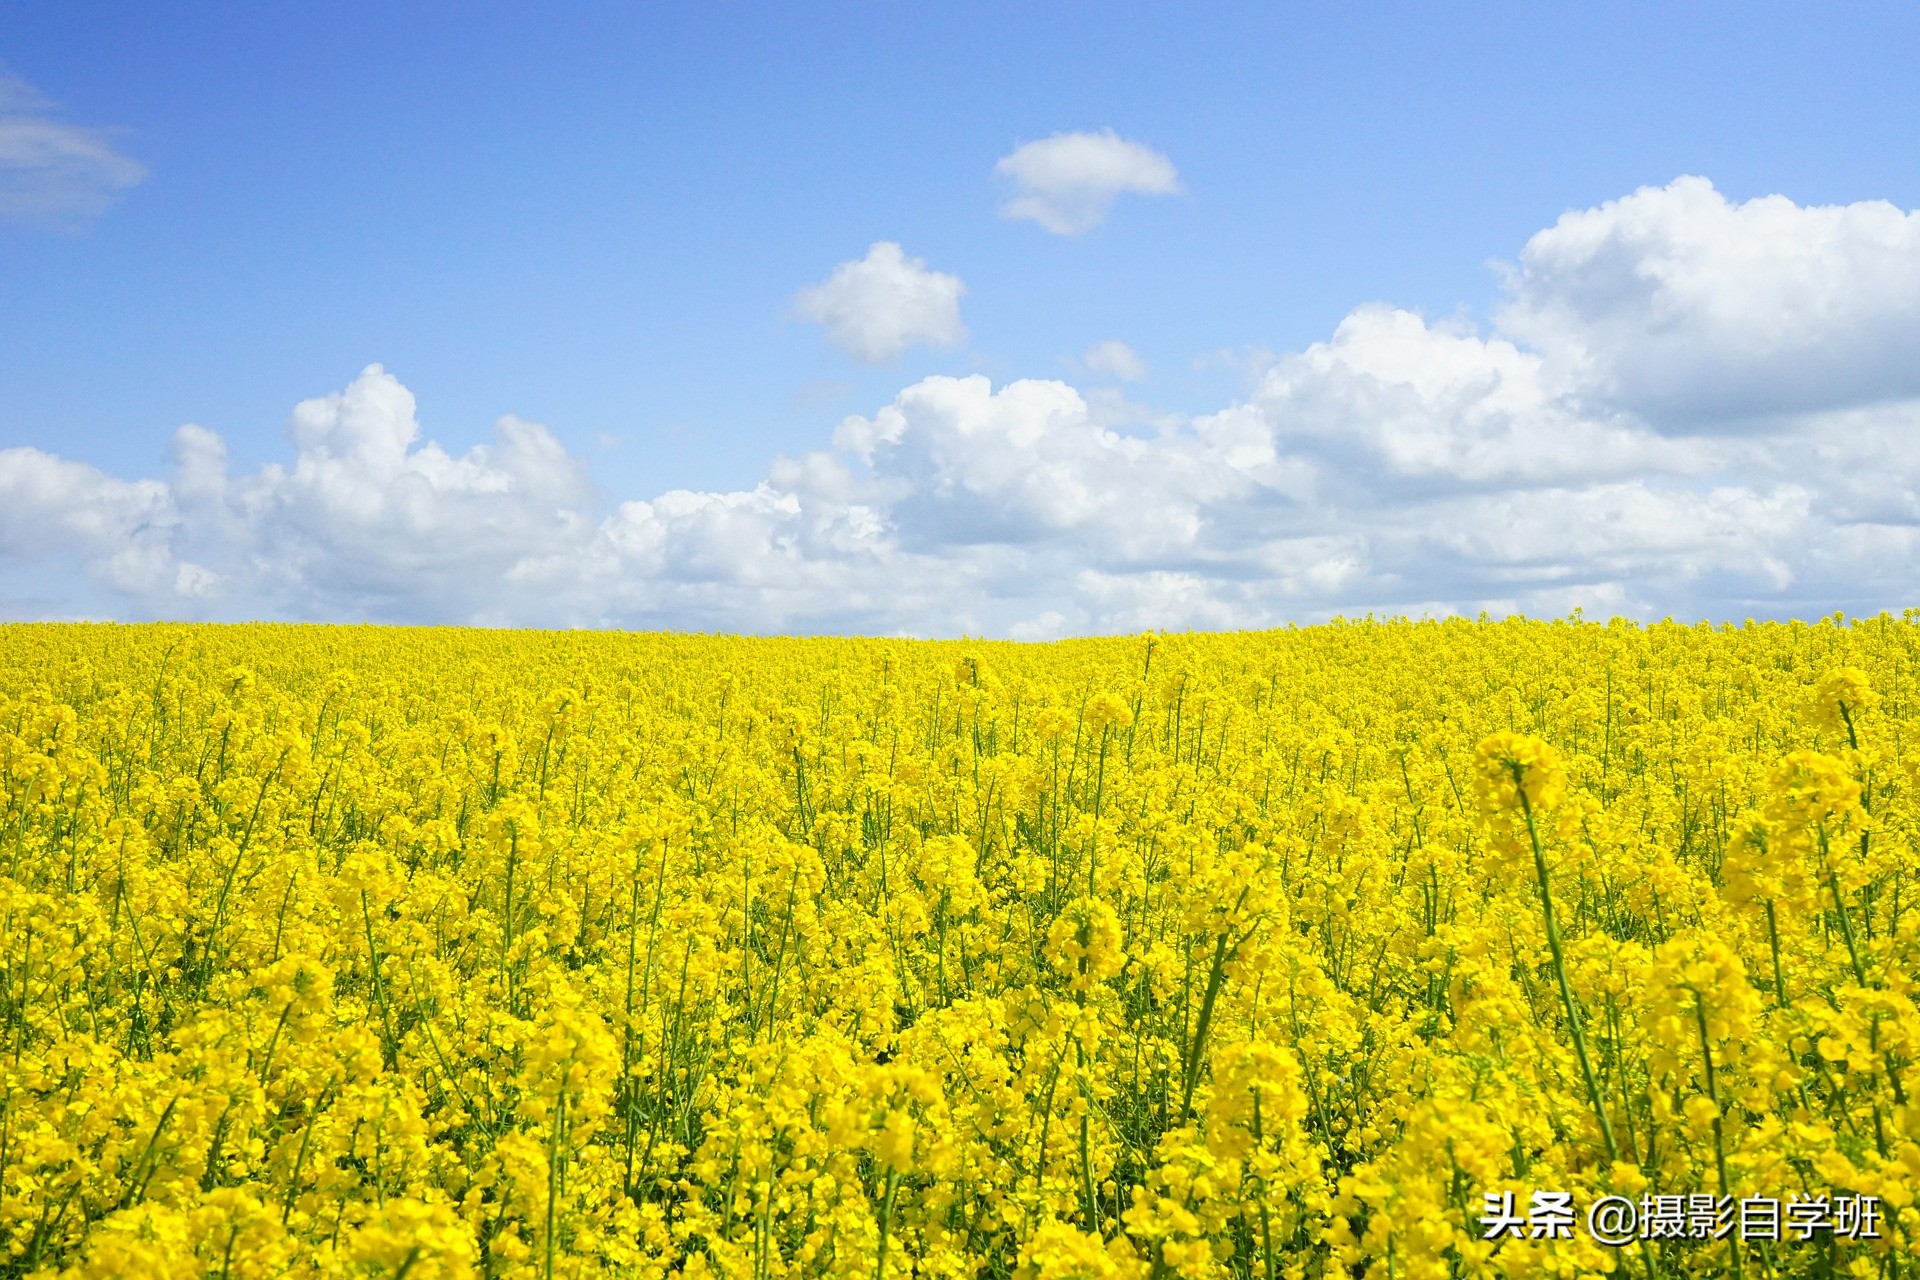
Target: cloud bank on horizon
point(1686, 406)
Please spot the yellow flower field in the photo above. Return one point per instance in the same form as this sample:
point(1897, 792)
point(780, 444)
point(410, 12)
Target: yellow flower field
point(438, 953)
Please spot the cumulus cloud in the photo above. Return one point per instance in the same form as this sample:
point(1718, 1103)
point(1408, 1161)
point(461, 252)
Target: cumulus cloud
point(1394, 402)
point(53, 171)
point(1115, 359)
point(875, 307)
point(1399, 466)
point(120, 533)
point(1686, 308)
point(1069, 181)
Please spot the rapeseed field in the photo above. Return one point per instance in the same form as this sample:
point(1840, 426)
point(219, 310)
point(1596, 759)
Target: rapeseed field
point(1388, 949)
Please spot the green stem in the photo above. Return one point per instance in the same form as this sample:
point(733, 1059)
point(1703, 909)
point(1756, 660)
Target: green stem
point(1560, 969)
point(1719, 1138)
point(886, 1227)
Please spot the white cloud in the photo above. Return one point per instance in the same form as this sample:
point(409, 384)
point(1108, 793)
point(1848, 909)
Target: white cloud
point(1392, 400)
point(51, 171)
point(364, 516)
point(1400, 465)
point(1688, 309)
point(1049, 624)
point(1024, 464)
point(875, 307)
point(120, 533)
point(1115, 359)
point(1069, 181)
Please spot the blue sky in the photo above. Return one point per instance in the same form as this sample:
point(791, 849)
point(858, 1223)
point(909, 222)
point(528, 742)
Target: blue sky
point(602, 222)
